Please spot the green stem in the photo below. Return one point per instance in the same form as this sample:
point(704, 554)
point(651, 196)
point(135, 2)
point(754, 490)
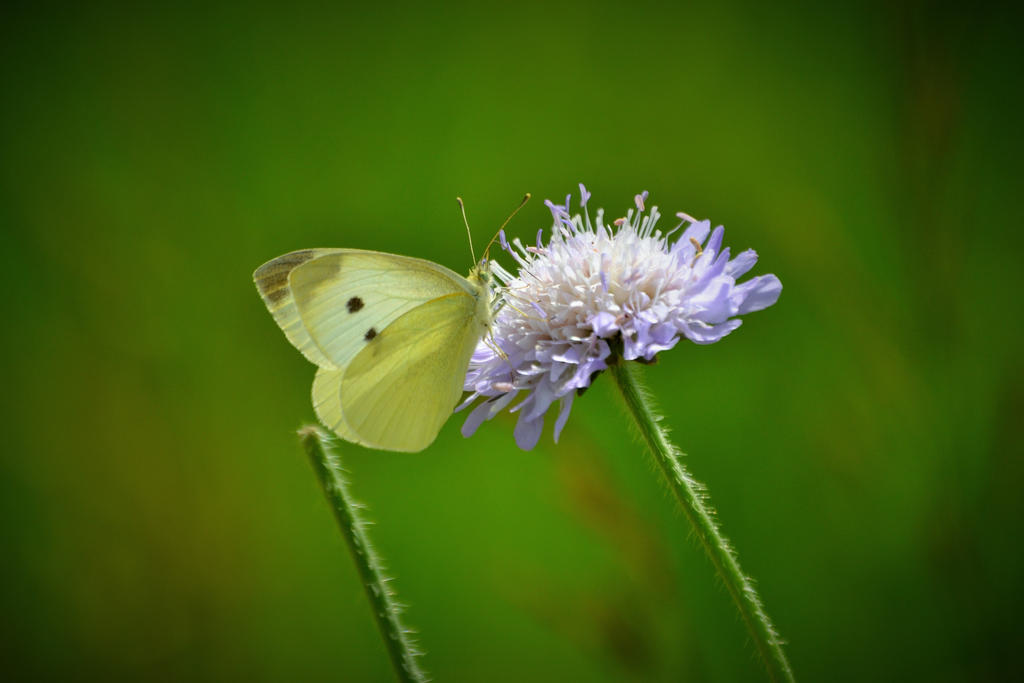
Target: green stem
point(386, 610)
point(693, 499)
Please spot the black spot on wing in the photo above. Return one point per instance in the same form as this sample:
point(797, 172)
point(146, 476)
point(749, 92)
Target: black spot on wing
point(354, 304)
point(370, 334)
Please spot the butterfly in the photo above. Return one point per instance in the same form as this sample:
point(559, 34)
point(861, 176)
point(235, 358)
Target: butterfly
point(391, 337)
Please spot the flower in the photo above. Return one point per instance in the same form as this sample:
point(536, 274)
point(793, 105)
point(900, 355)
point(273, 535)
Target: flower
point(594, 288)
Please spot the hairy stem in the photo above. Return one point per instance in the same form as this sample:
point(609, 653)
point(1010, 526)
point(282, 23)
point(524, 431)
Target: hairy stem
point(386, 611)
point(694, 502)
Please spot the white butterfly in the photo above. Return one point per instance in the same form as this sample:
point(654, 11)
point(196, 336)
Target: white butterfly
point(391, 336)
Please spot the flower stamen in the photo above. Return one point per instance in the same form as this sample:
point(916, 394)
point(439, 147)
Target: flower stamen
point(696, 245)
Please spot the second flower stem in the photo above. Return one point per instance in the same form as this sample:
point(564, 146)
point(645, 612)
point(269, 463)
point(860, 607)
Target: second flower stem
point(693, 500)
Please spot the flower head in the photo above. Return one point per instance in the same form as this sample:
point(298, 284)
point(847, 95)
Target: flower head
point(594, 288)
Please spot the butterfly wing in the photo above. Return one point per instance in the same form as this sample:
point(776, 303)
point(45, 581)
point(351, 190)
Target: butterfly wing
point(399, 390)
point(272, 281)
point(327, 301)
point(332, 303)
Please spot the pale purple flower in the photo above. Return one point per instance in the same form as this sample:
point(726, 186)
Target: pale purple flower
point(594, 288)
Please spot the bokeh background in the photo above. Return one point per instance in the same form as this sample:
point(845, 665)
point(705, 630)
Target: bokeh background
point(861, 439)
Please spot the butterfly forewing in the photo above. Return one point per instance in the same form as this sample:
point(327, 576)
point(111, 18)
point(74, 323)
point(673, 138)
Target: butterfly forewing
point(345, 297)
point(272, 281)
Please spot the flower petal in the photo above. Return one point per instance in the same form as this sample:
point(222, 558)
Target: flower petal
point(697, 231)
point(604, 324)
point(476, 418)
point(743, 262)
point(563, 415)
point(759, 293)
point(702, 333)
point(527, 432)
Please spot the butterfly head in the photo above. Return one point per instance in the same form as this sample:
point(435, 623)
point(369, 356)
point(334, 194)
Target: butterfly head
point(483, 276)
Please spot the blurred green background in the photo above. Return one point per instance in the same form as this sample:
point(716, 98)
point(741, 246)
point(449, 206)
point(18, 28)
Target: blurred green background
point(860, 439)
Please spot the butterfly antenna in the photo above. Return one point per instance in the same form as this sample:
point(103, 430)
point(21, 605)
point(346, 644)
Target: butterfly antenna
point(469, 233)
point(526, 198)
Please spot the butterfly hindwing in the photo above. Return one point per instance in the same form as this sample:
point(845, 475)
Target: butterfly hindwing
point(403, 385)
point(327, 404)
